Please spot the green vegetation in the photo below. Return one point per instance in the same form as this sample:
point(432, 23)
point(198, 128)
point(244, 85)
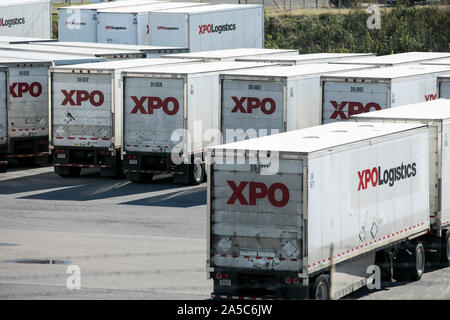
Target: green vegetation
point(402, 29)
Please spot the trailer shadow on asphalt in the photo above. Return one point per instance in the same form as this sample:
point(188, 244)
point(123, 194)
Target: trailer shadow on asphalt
point(387, 285)
point(91, 186)
point(180, 199)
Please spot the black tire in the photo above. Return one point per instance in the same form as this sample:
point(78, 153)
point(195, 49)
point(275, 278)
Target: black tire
point(196, 173)
point(410, 266)
point(71, 172)
point(320, 290)
point(445, 252)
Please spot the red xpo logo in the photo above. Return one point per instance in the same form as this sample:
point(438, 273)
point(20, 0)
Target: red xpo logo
point(353, 108)
point(258, 190)
point(76, 97)
point(18, 89)
point(429, 97)
point(266, 105)
point(169, 105)
point(377, 177)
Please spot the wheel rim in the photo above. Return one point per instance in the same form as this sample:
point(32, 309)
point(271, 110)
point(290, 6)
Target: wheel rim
point(420, 261)
point(322, 291)
point(198, 172)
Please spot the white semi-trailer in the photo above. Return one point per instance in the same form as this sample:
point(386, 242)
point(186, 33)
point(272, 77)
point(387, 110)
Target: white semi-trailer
point(294, 214)
point(213, 27)
point(171, 115)
point(86, 114)
point(271, 100)
point(435, 114)
point(349, 93)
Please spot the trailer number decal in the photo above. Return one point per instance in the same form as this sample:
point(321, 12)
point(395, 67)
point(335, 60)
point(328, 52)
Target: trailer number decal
point(258, 190)
point(353, 108)
point(267, 105)
point(389, 176)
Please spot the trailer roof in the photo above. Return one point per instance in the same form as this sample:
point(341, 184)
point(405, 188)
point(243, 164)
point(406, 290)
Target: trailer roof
point(111, 4)
point(393, 72)
point(106, 46)
point(431, 110)
point(47, 56)
point(295, 70)
point(81, 51)
point(14, 60)
point(230, 53)
point(443, 61)
point(318, 138)
point(196, 68)
point(125, 64)
point(215, 7)
point(16, 40)
point(311, 57)
point(151, 7)
point(399, 58)
point(444, 76)
point(8, 3)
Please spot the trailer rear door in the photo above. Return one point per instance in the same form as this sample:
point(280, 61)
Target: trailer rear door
point(343, 99)
point(256, 217)
point(153, 110)
point(81, 109)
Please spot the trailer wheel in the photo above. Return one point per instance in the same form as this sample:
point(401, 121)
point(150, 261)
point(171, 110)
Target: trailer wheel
point(197, 173)
point(446, 248)
point(140, 177)
point(410, 266)
point(321, 288)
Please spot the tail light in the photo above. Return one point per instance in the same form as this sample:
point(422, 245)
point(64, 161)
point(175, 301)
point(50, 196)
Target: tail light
point(218, 275)
point(296, 281)
point(287, 280)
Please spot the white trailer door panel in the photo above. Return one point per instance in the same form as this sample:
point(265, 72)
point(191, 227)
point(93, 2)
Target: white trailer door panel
point(28, 110)
point(256, 221)
point(366, 197)
point(153, 110)
point(251, 109)
point(3, 109)
point(344, 99)
point(81, 110)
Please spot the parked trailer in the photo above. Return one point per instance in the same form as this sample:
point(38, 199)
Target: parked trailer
point(131, 25)
point(271, 100)
point(232, 54)
point(435, 114)
point(214, 27)
point(170, 115)
point(150, 51)
point(109, 54)
point(353, 92)
point(398, 59)
point(443, 86)
point(288, 213)
point(79, 23)
point(4, 101)
point(291, 60)
point(86, 115)
point(27, 112)
point(26, 18)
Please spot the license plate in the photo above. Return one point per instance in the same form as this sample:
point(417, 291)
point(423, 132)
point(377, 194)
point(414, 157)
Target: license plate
point(225, 282)
point(132, 162)
point(61, 156)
